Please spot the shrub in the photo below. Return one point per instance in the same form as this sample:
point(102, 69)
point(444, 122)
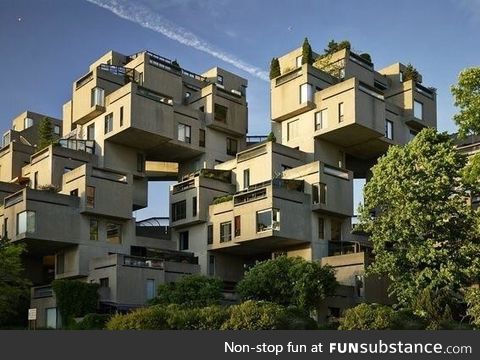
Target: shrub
point(410, 73)
point(75, 298)
point(307, 56)
point(222, 199)
point(435, 307)
point(190, 290)
point(366, 56)
point(271, 137)
point(368, 317)
point(252, 315)
point(472, 298)
point(274, 68)
point(92, 322)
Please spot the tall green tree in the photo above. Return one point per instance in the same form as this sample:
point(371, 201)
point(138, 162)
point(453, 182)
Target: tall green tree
point(307, 55)
point(274, 68)
point(288, 281)
point(13, 285)
point(424, 233)
point(466, 94)
point(45, 133)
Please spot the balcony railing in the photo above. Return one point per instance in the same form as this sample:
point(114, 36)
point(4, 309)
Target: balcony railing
point(80, 145)
point(143, 262)
point(42, 292)
point(153, 95)
point(130, 75)
point(255, 139)
point(336, 248)
point(183, 186)
point(85, 79)
point(167, 64)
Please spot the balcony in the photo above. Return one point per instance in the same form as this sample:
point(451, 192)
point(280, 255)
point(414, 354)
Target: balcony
point(40, 292)
point(81, 145)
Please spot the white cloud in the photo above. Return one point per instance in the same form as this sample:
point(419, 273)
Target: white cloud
point(144, 17)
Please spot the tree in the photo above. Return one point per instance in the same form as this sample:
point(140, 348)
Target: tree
point(333, 46)
point(45, 133)
point(424, 234)
point(307, 56)
point(410, 73)
point(368, 317)
point(466, 94)
point(13, 286)
point(190, 290)
point(297, 282)
point(274, 68)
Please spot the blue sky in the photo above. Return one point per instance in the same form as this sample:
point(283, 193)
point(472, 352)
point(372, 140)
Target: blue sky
point(46, 44)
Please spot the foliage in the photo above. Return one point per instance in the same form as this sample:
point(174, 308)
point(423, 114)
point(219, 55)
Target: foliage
point(191, 290)
point(424, 234)
point(271, 137)
point(307, 55)
point(466, 94)
point(472, 298)
point(13, 286)
point(368, 317)
point(252, 315)
point(366, 56)
point(274, 68)
point(221, 199)
point(435, 307)
point(45, 133)
point(176, 65)
point(49, 187)
point(75, 298)
point(92, 322)
point(297, 282)
point(334, 46)
point(410, 73)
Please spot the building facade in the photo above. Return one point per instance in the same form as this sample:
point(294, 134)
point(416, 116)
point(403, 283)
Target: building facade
point(237, 200)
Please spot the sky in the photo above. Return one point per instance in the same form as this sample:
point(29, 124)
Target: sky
point(45, 45)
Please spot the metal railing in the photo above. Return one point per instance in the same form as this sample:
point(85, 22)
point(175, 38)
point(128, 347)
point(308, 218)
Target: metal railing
point(130, 75)
point(143, 262)
point(255, 139)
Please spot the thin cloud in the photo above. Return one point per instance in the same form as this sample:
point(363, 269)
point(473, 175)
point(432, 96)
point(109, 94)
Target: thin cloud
point(144, 17)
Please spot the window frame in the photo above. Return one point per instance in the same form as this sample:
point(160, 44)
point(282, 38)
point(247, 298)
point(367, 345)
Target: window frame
point(225, 236)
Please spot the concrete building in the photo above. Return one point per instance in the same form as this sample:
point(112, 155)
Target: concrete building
point(237, 200)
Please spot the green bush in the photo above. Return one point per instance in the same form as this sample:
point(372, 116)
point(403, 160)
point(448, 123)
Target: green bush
point(253, 315)
point(274, 68)
point(190, 290)
point(410, 73)
point(368, 317)
point(221, 199)
point(92, 322)
point(472, 298)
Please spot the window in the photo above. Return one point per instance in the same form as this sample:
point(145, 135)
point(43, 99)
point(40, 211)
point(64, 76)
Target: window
point(183, 240)
point(292, 129)
point(341, 114)
point(56, 129)
point(67, 169)
point(412, 134)
point(27, 122)
point(150, 289)
point(268, 220)
point(323, 193)
point(108, 123)
point(298, 61)
point(97, 97)
point(306, 93)
point(194, 206)
point(336, 230)
point(140, 163)
point(35, 180)
point(188, 94)
point(90, 197)
point(93, 229)
point(320, 119)
point(220, 113)
point(389, 129)
point(210, 234)
point(104, 282)
point(237, 225)
point(91, 132)
point(232, 145)
point(184, 133)
point(201, 138)
point(5, 228)
point(121, 116)
point(51, 318)
point(211, 265)
point(6, 139)
point(225, 231)
point(26, 222)
point(114, 233)
point(315, 193)
point(220, 79)
point(418, 110)
point(74, 192)
point(246, 178)
point(179, 210)
point(60, 263)
point(321, 228)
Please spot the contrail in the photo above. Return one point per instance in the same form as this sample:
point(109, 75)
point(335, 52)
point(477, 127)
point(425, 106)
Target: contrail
point(144, 17)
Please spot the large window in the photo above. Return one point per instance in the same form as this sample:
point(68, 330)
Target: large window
point(179, 210)
point(60, 263)
point(211, 265)
point(93, 229)
point(298, 61)
point(315, 194)
point(27, 122)
point(91, 132)
point(321, 119)
point(97, 97)
point(201, 138)
point(268, 220)
point(56, 129)
point(306, 93)
point(246, 178)
point(341, 112)
point(323, 193)
point(121, 115)
point(184, 133)
point(26, 222)
point(183, 240)
point(225, 231)
point(293, 129)
point(108, 123)
point(232, 146)
point(90, 197)
point(321, 228)
point(220, 113)
point(114, 233)
point(238, 226)
point(210, 234)
point(194, 206)
point(150, 289)
point(389, 129)
point(418, 109)
point(336, 229)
